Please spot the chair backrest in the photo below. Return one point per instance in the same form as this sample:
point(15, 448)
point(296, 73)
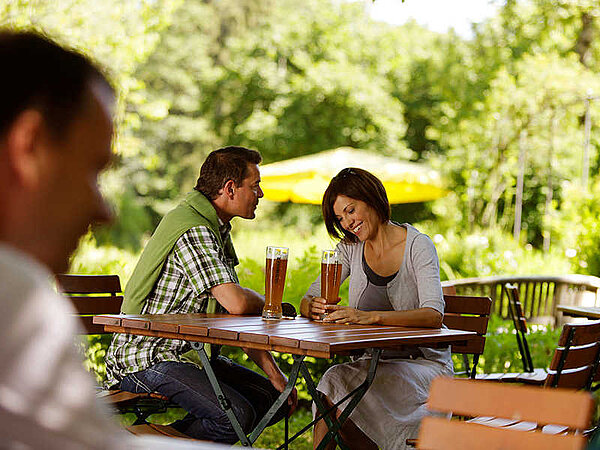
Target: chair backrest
point(472, 398)
point(470, 314)
point(576, 359)
point(515, 312)
point(449, 290)
point(92, 295)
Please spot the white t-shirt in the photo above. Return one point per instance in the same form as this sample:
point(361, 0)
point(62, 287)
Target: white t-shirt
point(47, 399)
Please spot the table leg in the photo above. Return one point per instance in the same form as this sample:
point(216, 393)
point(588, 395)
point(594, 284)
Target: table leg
point(226, 405)
point(280, 401)
point(223, 401)
point(312, 390)
point(357, 395)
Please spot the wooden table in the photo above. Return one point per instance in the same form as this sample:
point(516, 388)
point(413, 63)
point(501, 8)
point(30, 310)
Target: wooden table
point(300, 337)
point(590, 312)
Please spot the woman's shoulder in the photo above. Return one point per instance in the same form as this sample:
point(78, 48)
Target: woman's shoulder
point(349, 249)
point(416, 239)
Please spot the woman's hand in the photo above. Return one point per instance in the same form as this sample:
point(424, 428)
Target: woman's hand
point(345, 314)
point(315, 307)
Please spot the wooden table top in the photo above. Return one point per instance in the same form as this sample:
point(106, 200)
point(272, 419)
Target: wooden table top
point(591, 312)
point(298, 336)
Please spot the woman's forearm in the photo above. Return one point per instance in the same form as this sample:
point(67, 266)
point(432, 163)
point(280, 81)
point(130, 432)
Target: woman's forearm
point(422, 317)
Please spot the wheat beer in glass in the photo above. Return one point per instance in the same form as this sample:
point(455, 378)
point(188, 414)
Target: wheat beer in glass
point(277, 258)
point(331, 274)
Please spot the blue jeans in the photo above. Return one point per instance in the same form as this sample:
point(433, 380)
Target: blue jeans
point(250, 394)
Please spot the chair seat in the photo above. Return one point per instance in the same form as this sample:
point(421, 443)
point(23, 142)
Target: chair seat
point(505, 377)
point(517, 425)
point(537, 377)
point(117, 397)
point(156, 430)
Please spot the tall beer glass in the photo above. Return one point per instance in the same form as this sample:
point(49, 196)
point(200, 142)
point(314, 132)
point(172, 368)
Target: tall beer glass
point(277, 258)
point(331, 274)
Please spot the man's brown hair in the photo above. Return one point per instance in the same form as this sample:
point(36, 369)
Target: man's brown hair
point(38, 73)
point(357, 184)
point(222, 165)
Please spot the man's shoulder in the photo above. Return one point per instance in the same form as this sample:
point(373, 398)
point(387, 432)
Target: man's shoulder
point(200, 234)
point(26, 294)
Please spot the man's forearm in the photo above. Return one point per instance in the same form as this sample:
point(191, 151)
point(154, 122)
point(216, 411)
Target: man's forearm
point(237, 299)
point(254, 301)
point(265, 361)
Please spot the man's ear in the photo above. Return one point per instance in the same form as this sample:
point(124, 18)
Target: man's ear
point(24, 147)
point(229, 189)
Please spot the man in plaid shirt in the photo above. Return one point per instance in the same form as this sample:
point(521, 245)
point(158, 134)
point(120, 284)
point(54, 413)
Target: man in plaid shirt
point(196, 276)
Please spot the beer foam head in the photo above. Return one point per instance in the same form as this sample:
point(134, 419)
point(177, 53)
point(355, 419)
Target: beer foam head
point(277, 252)
point(330, 257)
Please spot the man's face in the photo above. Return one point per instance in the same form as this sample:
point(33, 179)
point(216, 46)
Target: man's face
point(70, 187)
point(247, 195)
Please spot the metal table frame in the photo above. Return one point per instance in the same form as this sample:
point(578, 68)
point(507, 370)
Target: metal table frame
point(201, 329)
point(334, 424)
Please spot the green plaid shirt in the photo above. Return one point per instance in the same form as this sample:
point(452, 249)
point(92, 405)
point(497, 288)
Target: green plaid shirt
point(195, 265)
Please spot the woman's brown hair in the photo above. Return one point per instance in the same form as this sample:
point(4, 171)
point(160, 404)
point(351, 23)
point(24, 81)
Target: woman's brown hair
point(357, 184)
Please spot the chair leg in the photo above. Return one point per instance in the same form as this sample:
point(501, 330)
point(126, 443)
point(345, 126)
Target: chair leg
point(286, 432)
point(466, 363)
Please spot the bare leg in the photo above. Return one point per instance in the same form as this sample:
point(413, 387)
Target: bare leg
point(351, 434)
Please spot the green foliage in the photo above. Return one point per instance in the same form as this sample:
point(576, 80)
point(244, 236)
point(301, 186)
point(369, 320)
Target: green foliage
point(501, 352)
point(489, 252)
point(91, 258)
point(578, 228)
point(93, 349)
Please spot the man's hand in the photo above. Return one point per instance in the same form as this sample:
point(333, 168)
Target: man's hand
point(279, 381)
point(265, 361)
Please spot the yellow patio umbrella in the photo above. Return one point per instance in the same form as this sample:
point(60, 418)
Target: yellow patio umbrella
point(304, 179)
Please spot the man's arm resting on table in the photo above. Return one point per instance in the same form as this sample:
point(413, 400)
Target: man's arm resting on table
point(237, 299)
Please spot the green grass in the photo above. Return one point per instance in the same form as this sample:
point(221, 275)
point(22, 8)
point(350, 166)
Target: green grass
point(272, 437)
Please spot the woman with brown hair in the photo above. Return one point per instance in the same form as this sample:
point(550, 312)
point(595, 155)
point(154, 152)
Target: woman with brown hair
point(394, 281)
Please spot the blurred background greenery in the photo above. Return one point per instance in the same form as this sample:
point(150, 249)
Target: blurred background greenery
point(516, 102)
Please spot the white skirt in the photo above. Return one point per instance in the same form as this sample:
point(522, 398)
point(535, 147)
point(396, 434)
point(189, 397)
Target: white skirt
point(392, 409)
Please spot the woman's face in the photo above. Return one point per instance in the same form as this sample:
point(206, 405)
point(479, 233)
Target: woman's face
point(356, 217)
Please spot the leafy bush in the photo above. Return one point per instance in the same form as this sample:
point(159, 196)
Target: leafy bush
point(578, 228)
point(501, 352)
point(492, 252)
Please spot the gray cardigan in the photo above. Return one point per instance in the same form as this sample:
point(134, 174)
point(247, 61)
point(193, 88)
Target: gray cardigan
point(417, 284)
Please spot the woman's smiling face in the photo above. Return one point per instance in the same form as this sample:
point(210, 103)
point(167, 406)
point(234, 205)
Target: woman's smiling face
point(356, 217)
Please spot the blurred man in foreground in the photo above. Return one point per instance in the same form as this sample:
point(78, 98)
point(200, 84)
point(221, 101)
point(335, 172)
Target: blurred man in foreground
point(55, 138)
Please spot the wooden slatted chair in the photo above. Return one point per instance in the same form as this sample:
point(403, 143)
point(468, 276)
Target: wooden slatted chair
point(471, 314)
point(577, 358)
point(467, 313)
point(568, 409)
point(101, 294)
point(574, 365)
point(575, 361)
point(529, 374)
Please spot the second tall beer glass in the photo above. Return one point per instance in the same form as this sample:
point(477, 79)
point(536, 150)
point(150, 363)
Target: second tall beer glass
point(331, 274)
point(277, 258)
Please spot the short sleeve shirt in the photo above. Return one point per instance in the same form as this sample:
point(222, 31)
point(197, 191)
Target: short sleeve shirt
point(196, 264)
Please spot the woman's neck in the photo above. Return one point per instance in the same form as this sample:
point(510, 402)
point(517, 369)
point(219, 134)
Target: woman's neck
point(385, 237)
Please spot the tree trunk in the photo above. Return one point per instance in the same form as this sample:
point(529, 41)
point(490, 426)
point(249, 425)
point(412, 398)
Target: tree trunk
point(520, 182)
point(585, 38)
point(549, 193)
